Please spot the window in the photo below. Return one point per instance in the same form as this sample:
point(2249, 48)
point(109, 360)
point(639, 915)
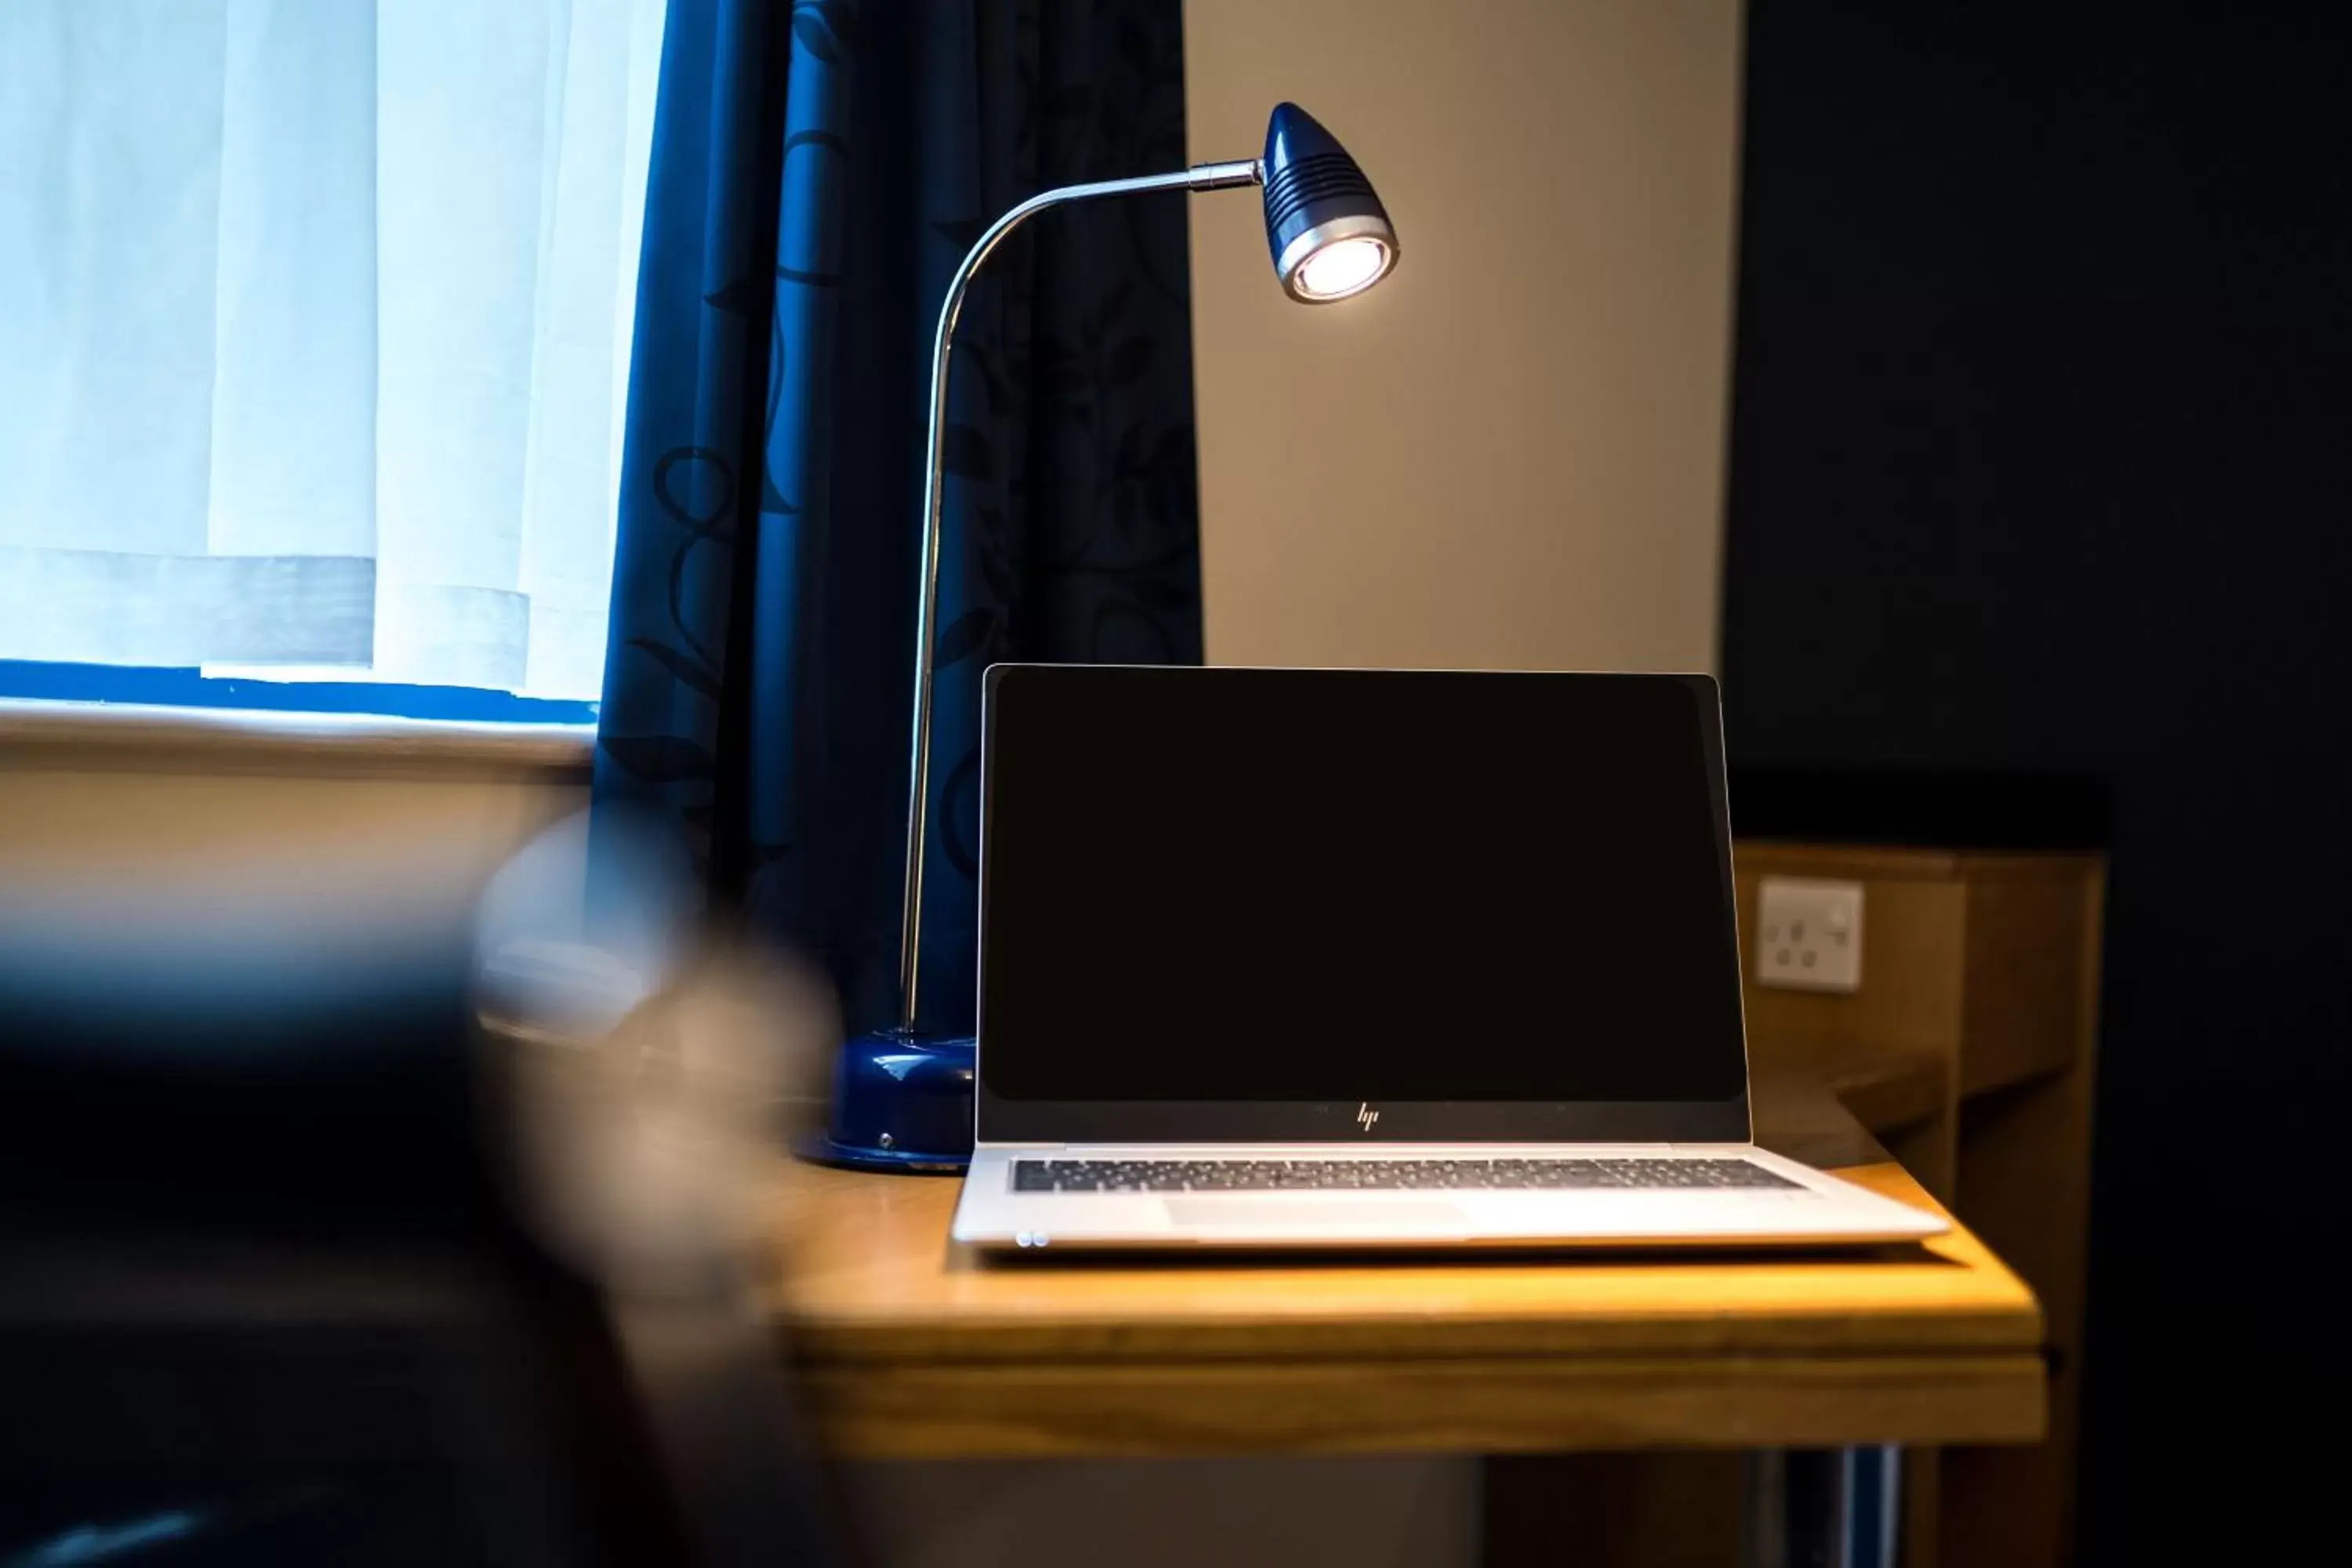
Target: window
point(314, 348)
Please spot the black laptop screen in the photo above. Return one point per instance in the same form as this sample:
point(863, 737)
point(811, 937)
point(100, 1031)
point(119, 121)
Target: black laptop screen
point(1219, 885)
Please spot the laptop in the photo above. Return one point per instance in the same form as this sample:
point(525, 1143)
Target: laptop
point(1368, 959)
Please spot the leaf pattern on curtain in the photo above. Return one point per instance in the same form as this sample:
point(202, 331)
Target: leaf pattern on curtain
point(818, 171)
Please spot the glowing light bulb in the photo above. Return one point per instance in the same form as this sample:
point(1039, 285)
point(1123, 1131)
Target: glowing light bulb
point(1342, 268)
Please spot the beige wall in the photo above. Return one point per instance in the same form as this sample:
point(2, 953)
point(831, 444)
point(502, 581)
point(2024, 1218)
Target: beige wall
point(65, 824)
point(1367, 1513)
point(183, 818)
point(1510, 453)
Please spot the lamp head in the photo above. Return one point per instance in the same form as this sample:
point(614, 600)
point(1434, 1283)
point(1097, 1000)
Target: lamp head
point(1329, 234)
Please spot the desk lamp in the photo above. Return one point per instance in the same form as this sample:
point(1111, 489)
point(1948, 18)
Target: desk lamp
point(902, 1101)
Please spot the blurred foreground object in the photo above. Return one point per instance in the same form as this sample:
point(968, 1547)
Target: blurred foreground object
point(650, 1075)
point(344, 1216)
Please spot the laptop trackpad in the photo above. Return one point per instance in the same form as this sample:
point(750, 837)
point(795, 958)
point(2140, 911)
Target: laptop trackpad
point(1307, 1216)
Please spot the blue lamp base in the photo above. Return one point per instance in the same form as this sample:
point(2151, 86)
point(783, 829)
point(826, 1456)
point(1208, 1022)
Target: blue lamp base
point(901, 1103)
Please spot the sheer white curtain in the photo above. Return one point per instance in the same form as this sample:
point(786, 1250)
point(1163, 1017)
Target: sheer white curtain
point(314, 332)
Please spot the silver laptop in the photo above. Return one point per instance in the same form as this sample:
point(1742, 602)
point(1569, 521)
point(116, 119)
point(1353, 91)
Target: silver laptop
point(1294, 958)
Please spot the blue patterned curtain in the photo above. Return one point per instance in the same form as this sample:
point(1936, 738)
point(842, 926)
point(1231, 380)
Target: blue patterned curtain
point(818, 170)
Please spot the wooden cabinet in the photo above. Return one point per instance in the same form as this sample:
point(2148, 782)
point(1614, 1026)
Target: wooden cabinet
point(1969, 1051)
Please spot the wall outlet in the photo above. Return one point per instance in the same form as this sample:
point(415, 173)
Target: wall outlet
point(1808, 934)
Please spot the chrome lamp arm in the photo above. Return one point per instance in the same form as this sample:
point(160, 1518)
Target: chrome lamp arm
point(1200, 177)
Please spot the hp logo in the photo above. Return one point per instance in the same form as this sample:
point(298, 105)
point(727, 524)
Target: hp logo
point(1366, 1116)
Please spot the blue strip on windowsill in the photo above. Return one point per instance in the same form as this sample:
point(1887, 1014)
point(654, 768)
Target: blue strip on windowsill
point(193, 688)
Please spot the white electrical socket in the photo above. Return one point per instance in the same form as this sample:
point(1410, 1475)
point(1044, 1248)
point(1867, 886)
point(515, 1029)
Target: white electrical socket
point(1808, 934)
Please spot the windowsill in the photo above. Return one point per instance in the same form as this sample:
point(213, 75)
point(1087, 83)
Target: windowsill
point(86, 734)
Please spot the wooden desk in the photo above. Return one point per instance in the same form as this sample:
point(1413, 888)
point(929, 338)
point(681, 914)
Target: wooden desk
point(910, 1347)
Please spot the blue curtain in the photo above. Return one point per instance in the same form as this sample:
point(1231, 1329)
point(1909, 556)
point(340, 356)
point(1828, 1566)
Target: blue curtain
point(818, 171)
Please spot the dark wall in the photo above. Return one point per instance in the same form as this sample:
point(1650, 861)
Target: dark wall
point(2043, 391)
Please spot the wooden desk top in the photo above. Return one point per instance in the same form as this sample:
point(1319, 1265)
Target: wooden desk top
point(910, 1346)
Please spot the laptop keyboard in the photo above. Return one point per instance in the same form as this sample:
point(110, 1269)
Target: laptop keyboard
point(1382, 1175)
